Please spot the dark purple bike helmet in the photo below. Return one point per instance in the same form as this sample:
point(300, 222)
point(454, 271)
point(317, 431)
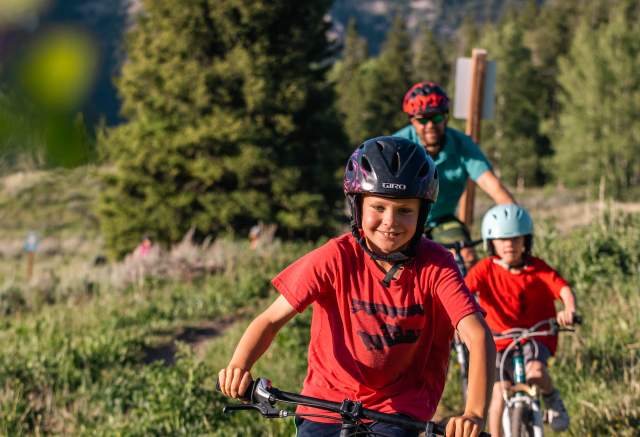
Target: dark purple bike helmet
point(391, 167)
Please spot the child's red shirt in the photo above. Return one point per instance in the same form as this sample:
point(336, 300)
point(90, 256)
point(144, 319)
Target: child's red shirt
point(386, 347)
point(516, 300)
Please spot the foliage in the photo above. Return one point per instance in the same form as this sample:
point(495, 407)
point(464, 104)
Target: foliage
point(513, 137)
point(97, 371)
point(430, 61)
point(373, 89)
point(55, 203)
point(121, 362)
point(601, 94)
point(395, 74)
point(230, 121)
point(348, 76)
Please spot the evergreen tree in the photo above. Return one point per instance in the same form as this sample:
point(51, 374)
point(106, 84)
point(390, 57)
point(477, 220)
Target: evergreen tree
point(348, 88)
point(229, 122)
point(467, 36)
point(598, 133)
point(391, 79)
point(430, 60)
point(513, 140)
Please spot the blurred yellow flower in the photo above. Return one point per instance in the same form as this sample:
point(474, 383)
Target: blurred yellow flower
point(59, 68)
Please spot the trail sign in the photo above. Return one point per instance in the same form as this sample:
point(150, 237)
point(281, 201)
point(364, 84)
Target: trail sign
point(464, 83)
point(31, 242)
point(475, 85)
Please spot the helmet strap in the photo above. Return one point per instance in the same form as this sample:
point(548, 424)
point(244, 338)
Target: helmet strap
point(397, 259)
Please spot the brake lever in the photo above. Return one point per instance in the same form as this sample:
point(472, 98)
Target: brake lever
point(266, 410)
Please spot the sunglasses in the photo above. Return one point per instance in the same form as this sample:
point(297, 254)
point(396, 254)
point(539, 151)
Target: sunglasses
point(435, 118)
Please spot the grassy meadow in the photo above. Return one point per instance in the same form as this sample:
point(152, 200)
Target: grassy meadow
point(133, 348)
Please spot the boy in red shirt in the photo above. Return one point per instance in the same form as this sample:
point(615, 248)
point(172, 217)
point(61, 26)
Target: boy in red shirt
point(518, 290)
point(386, 302)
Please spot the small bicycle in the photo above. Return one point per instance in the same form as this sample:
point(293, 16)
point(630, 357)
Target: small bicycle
point(522, 416)
point(355, 419)
point(462, 354)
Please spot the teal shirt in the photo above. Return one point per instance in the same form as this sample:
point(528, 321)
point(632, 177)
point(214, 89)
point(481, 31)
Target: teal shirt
point(459, 159)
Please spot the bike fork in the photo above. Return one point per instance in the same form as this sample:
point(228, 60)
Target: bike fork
point(534, 420)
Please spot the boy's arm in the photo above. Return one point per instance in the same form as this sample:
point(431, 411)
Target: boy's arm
point(565, 317)
point(482, 357)
point(235, 378)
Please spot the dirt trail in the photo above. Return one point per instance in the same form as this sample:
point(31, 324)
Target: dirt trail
point(195, 336)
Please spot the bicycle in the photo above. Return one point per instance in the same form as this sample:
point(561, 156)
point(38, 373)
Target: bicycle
point(462, 354)
point(262, 397)
point(522, 416)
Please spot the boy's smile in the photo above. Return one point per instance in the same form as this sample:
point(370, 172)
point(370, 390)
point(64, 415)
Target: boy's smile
point(389, 224)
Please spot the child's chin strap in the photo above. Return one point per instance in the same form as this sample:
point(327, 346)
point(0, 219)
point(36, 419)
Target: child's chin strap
point(397, 259)
point(508, 266)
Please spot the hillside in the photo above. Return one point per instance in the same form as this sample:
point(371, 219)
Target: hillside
point(131, 348)
point(443, 17)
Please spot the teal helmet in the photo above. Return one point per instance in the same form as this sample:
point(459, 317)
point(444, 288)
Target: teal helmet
point(506, 221)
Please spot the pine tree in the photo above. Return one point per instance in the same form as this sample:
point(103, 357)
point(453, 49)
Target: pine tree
point(467, 36)
point(229, 121)
point(391, 78)
point(513, 140)
point(430, 60)
point(598, 130)
point(348, 83)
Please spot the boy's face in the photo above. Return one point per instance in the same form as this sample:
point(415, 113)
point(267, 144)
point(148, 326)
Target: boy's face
point(389, 224)
point(510, 250)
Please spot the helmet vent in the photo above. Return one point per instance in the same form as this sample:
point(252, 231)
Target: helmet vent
point(395, 162)
point(380, 146)
point(366, 165)
point(350, 165)
point(423, 170)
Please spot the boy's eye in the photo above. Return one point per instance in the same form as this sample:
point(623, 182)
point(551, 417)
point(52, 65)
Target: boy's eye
point(406, 211)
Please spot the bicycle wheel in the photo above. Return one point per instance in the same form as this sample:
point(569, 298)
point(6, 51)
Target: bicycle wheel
point(520, 420)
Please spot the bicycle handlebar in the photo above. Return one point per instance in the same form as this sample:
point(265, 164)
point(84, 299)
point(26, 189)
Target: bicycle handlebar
point(457, 245)
point(522, 333)
point(262, 397)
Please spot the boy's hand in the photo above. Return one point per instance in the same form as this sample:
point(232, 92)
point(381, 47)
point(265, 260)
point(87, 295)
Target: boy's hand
point(234, 381)
point(464, 426)
point(565, 317)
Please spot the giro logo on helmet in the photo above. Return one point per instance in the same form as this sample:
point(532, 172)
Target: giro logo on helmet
point(394, 186)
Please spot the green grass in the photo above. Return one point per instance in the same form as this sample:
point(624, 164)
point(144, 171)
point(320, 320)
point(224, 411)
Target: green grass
point(54, 203)
point(75, 357)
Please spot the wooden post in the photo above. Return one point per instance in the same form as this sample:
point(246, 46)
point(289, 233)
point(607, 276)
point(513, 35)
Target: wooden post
point(478, 67)
point(30, 261)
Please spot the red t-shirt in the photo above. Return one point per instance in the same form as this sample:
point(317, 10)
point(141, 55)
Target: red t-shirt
point(516, 300)
point(386, 347)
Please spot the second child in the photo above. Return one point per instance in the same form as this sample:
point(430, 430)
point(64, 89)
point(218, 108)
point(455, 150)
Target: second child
point(518, 290)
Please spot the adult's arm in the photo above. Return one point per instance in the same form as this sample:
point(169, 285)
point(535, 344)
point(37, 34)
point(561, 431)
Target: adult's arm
point(491, 185)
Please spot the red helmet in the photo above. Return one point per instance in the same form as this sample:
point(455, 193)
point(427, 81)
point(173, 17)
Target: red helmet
point(425, 98)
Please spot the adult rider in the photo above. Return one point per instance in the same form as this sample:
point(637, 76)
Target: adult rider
point(457, 158)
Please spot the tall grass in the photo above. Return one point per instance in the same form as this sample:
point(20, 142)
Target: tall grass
point(84, 354)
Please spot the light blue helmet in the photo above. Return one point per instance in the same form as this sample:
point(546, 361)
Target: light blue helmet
point(506, 221)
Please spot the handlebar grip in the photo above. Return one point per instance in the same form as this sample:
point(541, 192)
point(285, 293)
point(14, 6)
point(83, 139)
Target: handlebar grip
point(577, 319)
point(246, 396)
